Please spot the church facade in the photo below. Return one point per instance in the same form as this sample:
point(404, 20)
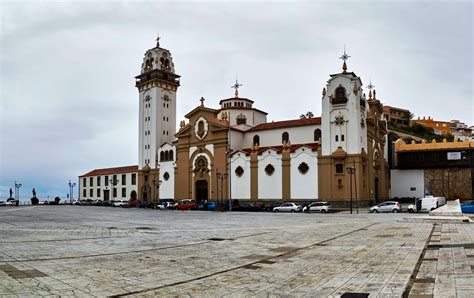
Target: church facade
point(231, 151)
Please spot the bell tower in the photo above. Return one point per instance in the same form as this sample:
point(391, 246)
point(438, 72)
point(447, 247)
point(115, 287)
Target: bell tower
point(157, 85)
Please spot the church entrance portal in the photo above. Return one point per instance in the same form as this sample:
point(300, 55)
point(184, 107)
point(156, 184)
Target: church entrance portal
point(201, 191)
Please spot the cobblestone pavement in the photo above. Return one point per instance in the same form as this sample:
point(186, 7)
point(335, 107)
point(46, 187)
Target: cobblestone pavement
point(104, 251)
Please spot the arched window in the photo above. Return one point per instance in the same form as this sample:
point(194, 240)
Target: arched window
point(162, 156)
point(317, 134)
point(337, 138)
point(256, 140)
point(171, 155)
point(285, 137)
point(342, 138)
point(339, 96)
point(167, 157)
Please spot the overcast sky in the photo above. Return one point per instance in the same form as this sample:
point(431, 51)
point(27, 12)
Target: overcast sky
point(69, 104)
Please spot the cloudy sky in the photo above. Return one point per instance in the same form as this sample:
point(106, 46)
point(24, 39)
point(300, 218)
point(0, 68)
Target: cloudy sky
point(69, 105)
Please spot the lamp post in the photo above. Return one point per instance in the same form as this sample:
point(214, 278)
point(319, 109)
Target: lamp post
point(71, 190)
point(17, 191)
point(351, 172)
point(157, 184)
point(222, 177)
point(114, 182)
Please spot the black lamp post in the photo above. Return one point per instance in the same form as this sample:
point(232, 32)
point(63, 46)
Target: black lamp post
point(351, 172)
point(157, 184)
point(71, 190)
point(222, 177)
point(114, 182)
point(17, 191)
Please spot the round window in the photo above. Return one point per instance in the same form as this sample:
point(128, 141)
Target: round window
point(239, 171)
point(269, 169)
point(303, 168)
point(166, 176)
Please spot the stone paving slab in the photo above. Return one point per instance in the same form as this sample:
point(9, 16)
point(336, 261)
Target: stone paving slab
point(101, 251)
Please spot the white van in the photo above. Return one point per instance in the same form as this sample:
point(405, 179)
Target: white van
point(427, 204)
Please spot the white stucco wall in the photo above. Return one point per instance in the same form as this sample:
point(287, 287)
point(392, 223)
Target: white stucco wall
point(241, 185)
point(269, 187)
point(403, 180)
point(254, 117)
point(304, 186)
point(167, 186)
point(129, 187)
point(272, 137)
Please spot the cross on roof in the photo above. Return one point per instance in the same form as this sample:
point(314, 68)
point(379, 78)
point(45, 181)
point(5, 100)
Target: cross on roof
point(370, 86)
point(158, 39)
point(202, 101)
point(344, 57)
point(236, 87)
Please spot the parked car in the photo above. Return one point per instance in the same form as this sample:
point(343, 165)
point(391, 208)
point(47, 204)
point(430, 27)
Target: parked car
point(2, 203)
point(272, 206)
point(43, 202)
point(207, 206)
point(166, 204)
point(467, 206)
point(388, 206)
point(119, 203)
point(249, 207)
point(186, 205)
point(427, 204)
point(12, 203)
point(288, 207)
point(322, 207)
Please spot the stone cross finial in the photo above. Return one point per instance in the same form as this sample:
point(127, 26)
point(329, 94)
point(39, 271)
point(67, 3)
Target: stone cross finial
point(236, 87)
point(202, 101)
point(344, 58)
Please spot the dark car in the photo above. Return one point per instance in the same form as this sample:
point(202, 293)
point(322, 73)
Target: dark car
point(248, 207)
point(272, 205)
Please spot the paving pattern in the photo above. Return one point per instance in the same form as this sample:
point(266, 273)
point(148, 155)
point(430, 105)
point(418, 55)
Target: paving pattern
point(104, 251)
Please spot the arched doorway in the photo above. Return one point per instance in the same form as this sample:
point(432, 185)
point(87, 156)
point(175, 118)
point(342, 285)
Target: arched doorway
point(133, 195)
point(201, 191)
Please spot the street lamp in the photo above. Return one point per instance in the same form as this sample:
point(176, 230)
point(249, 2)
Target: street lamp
point(71, 190)
point(222, 177)
point(351, 172)
point(114, 182)
point(157, 184)
point(17, 191)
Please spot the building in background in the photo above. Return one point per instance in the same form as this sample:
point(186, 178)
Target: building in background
point(397, 116)
point(461, 131)
point(109, 184)
point(440, 127)
point(440, 169)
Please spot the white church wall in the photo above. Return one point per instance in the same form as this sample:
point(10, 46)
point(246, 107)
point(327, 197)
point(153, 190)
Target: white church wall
point(304, 186)
point(236, 140)
point(407, 183)
point(273, 137)
point(241, 185)
point(167, 186)
point(269, 187)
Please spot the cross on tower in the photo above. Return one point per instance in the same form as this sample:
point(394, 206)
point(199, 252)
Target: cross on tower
point(344, 57)
point(158, 39)
point(236, 87)
point(370, 86)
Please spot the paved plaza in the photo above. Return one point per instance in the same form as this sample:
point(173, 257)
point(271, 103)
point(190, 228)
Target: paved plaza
point(104, 251)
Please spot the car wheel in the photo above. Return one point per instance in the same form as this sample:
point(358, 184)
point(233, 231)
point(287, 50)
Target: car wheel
point(376, 211)
point(410, 211)
point(292, 211)
point(276, 210)
point(395, 211)
point(323, 211)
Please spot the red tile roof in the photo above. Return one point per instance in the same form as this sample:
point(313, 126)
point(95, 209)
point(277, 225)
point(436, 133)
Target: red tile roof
point(109, 171)
point(279, 149)
point(287, 123)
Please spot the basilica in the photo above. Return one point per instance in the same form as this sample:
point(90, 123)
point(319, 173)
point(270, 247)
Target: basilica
point(231, 151)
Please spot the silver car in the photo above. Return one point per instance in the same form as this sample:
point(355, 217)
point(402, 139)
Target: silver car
point(322, 207)
point(288, 207)
point(388, 206)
